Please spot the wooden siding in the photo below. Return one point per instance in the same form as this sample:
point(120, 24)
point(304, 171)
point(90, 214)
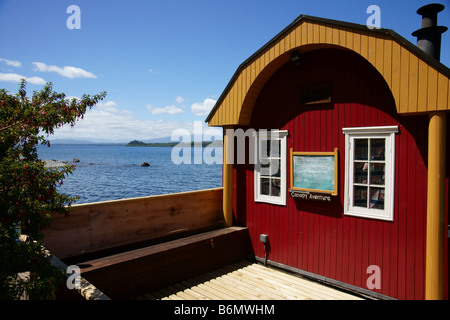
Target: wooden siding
point(416, 85)
point(316, 236)
point(102, 225)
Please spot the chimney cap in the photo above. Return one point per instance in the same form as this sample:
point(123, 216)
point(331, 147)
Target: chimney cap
point(429, 31)
point(430, 8)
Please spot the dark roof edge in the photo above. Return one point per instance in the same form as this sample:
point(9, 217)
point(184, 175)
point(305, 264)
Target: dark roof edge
point(410, 46)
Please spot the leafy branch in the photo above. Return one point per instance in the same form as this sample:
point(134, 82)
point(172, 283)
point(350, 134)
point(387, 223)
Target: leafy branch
point(28, 190)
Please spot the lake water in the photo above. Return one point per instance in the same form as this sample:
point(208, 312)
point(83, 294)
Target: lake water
point(111, 172)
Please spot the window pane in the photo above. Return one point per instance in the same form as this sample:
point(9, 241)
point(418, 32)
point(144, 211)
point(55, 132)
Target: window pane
point(275, 149)
point(377, 149)
point(275, 166)
point(265, 186)
point(361, 172)
point(377, 173)
point(361, 147)
point(360, 196)
point(265, 168)
point(275, 191)
point(377, 198)
point(264, 149)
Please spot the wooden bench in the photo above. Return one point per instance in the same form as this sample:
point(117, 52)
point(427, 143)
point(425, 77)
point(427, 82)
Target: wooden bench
point(131, 273)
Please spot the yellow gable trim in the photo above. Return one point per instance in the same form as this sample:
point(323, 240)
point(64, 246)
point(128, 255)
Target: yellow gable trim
point(416, 85)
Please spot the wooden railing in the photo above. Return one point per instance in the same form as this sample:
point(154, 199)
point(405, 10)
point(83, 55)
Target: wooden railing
point(102, 225)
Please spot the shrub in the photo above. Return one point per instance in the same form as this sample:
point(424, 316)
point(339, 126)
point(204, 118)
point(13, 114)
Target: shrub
point(28, 190)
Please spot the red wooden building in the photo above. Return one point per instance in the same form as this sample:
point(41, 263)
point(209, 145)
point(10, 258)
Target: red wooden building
point(348, 184)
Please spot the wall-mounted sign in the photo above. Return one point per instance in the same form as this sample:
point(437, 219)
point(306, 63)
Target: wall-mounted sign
point(314, 172)
point(309, 195)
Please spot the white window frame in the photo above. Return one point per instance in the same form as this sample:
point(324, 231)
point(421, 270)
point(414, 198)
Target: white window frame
point(388, 133)
point(265, 135)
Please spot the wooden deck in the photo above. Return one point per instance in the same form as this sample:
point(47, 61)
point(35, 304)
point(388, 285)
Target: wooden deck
point(249, 281)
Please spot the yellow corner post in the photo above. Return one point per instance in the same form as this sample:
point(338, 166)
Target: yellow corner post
point(436, 235)
point(227, 178)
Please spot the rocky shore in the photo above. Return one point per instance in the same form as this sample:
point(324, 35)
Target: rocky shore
point(54, 163)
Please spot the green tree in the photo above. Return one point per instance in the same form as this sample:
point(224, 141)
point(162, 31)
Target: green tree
point(28, 190)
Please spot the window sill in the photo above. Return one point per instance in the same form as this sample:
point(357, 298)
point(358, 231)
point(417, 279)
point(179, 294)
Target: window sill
point(370, 215)
point(271, 201)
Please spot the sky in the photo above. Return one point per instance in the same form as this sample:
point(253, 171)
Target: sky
point(165, 63)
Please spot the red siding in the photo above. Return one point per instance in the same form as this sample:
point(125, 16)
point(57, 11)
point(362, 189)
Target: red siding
point(316, 236)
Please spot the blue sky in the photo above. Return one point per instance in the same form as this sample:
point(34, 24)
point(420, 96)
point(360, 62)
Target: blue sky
point(163, 63)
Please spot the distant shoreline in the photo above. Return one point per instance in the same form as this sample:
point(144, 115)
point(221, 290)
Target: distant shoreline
point(218, 143)
point(179, 144)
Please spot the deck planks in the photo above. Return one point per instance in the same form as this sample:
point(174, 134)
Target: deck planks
point(248, 281)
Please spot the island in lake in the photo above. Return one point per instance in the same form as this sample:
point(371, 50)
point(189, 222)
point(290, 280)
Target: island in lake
point(137, 143)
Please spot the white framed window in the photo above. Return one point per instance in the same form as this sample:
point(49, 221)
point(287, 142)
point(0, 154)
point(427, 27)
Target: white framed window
point(270, 167)
point(369, 172)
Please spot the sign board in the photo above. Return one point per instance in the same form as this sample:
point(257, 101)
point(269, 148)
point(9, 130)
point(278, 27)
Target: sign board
point(314, 172)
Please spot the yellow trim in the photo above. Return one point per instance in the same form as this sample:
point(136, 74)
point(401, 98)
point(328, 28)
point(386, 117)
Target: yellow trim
point(403, 70)
point(336, 168)
point(436, 229)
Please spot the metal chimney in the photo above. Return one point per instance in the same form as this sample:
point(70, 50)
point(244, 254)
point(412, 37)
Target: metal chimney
point(429, 37)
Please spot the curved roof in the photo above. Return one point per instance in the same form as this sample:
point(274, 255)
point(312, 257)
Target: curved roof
point(418, 82)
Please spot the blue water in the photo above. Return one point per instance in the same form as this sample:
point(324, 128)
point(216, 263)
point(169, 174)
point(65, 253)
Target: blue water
point(111, 172)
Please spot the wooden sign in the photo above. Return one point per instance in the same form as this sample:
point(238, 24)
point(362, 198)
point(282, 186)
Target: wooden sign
point(314, 172)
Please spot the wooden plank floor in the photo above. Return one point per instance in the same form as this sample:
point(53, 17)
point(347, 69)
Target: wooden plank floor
point(248, 281)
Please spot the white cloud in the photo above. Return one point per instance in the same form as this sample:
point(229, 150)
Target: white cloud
point(12, 63)
point(14, 77)
point(167, 109)
point(203, 108)
point(100, 124)
point(107, 122)
point(109, 106)
point(179, 99)
point(72, 97)
point(67, 71)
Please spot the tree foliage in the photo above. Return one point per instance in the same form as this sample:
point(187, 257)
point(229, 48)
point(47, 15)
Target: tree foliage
point(28, 190)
